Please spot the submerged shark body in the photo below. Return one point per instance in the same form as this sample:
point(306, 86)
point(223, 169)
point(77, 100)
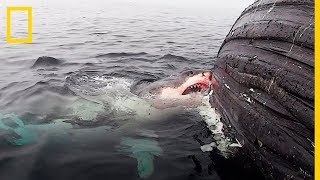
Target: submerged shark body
point(87, 116)
point(186, 88)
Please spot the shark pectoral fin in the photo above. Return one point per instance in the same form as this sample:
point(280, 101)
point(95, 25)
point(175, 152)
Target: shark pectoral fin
point(145, 164)
point(26, 135)
point(144, 151)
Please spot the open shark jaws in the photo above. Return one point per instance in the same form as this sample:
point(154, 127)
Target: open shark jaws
point(185, 89)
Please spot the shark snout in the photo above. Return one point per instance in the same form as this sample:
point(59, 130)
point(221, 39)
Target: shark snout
point(207, 75)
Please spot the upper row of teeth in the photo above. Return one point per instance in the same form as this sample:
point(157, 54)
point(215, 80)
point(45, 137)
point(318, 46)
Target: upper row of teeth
point(194, 86)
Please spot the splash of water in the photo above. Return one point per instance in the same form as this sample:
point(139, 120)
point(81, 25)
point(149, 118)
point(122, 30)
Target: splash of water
point(213, 120)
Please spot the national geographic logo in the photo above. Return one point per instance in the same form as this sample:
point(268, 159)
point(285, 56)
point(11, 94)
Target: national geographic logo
point(11, 9)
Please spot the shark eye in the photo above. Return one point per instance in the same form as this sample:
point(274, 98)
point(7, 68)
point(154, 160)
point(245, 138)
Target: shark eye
point(190, 73)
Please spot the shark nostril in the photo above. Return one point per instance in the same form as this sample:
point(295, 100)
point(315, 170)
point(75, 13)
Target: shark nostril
point(207, 75)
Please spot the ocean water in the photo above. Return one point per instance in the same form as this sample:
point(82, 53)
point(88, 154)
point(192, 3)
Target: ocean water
point(74, 116)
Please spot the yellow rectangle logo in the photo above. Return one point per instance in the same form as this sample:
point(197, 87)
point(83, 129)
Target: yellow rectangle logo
point(19, 40)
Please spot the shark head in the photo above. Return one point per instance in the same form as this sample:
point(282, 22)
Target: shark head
point(186, 88)
point(191, 82)
point(197, 81)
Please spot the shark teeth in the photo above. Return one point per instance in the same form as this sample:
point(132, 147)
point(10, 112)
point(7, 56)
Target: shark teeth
point(195, 88)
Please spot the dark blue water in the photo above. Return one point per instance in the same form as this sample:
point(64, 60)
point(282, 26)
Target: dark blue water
point(73, 116)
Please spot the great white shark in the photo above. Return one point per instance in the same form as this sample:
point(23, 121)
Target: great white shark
point(184, 89)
